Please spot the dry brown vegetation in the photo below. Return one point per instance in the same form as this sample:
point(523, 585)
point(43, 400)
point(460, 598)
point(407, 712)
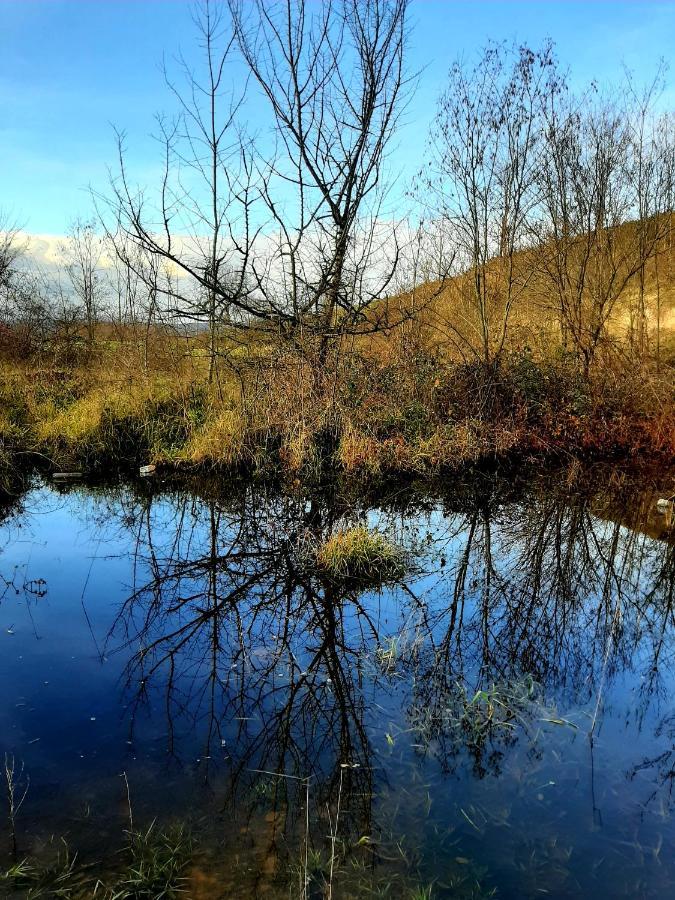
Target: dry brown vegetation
point(412, 398)
point(401, 401)
point(270, 319)
point(638, 325)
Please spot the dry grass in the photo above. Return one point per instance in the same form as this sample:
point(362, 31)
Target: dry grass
point(362, 555)
point(390, 405)
point(373, 419)
point(447, 317)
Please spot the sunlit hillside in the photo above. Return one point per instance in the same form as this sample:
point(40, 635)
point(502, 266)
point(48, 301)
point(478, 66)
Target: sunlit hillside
point(609, 286)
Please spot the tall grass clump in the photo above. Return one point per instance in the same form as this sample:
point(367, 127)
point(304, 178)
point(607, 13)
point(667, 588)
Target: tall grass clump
point(362, 555)
point(61, 878)
point(121, 426)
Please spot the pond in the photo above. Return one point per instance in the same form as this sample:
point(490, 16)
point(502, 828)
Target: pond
point(499, 722)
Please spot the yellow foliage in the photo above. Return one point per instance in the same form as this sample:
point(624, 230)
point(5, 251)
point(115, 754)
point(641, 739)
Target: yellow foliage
point(221, 440)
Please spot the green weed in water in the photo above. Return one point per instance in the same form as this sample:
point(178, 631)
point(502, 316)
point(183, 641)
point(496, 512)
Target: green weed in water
point(157, 861)
point(387, 654)
point(61, 879)
point(154, 866)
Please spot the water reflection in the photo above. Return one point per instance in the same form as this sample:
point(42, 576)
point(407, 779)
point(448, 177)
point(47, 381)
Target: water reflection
point(253, 649)
point(505, 710)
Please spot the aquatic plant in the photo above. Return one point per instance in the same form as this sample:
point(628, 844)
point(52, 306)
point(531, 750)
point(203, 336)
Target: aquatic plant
point(387, 653)
point(17, 785)
point(362, 555)
point(154, 863)
point(483, 719)
point(157, 860)
point(423, 892)
point(60, 879)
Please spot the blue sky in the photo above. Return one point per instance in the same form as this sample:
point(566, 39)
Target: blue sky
point(71, 69)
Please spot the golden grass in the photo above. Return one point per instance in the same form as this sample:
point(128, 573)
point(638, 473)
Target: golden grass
point(446, 317)
point(372, 419)
point(361, 554)
point(221, 439)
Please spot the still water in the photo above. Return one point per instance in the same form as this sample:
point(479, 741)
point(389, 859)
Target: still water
point(501, 722)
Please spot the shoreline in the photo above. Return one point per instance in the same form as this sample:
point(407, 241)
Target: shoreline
point(518, 463)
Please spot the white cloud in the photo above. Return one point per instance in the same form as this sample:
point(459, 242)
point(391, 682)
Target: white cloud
point(44, 249)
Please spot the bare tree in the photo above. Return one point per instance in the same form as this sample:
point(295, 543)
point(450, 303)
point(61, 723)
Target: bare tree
point(334, 80)
point(124, 287)
point(595, 176)
point(82, 252)
point(645, 174)
point(150, 267)
point(480, 179)
point(666, 141)
point(650, 172)
point(138, 276)
point(11, 248)
point(288, 236)
point(26, 307)
point(198, 221)
point(11, 282)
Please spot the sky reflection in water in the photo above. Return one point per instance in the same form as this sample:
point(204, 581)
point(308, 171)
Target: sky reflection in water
point(501, 721)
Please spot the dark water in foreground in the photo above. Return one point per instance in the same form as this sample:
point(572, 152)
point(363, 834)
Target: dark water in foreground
point(501, 723)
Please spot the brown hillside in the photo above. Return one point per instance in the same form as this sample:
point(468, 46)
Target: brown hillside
point(447, 316)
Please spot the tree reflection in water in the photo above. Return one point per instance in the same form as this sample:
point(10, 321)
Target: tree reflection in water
point(523, 602)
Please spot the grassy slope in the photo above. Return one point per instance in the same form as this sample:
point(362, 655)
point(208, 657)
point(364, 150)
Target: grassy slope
point(447, 314)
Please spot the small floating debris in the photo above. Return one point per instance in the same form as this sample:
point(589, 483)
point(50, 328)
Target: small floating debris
point(664, 505)
point(67, 476)
point(147, 470)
